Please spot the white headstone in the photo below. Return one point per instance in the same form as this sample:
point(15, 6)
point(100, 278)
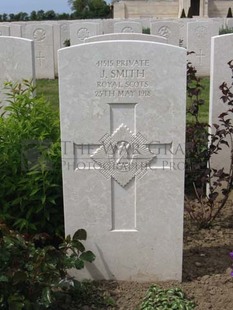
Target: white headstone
point(16, 62)
point(61, 35)
point(128, 27)
point(229, 23)
point(126, 36)
point(183, 31)
point(64, 33)
point(168, 29)
point(16, 30)
point(42, 35)
point(4, 30)
point(198, 41)
point(122, 108)
point(221, 54)
point(82, 30)
point(108, 25)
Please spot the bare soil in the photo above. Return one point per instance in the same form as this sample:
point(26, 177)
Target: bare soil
point(206, 269)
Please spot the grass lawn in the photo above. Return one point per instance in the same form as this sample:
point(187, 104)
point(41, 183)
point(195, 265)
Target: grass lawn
point(49, 89)
point(204, 109)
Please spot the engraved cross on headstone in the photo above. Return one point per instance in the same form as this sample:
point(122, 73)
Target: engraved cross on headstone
point(200, 56)
point(40, 58)
point(123, 156)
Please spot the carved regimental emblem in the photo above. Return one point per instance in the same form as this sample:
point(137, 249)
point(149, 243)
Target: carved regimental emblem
point(83, 33)
point(39, 34)
point(127, 30)
point(123, 155)
point(164, 31)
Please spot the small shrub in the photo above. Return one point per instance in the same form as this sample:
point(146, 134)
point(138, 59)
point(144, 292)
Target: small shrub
point(225, 30)
point(30, 163)
point(159, 299)
point(32, 271)
point(66, 43)
point(146, 30)
point(196, 132)
point(199, 170)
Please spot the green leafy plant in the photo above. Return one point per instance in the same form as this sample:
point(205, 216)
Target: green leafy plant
point(83, 295)
point(66, 43)
point(196, 131)
point(30, 162)
point(225, 30)
point(33, 271)
point(160, 299)
point(146, 30)
point(200, 149)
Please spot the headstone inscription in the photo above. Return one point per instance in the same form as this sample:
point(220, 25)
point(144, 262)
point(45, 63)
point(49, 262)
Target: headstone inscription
point(122, 107)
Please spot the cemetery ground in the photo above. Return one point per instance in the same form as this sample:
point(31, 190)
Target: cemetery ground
point(206, 261)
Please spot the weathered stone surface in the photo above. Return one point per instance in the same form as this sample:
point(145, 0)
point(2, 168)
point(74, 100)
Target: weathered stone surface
point(126, 36)
point(82, 30)
point(199, 41)
point(221, 54)
point(16, 62)
point(42, 34)
point(122, 108)
point(128, 27)
point(167, 29)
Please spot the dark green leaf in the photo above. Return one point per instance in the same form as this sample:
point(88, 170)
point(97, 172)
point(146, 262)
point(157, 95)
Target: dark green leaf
point(79, 264)
point(19, 276)
point(87, 256)
point(80, 234)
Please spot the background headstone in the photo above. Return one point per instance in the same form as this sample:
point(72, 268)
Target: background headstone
point(108, 26)
point(80, 31)
point(4, 30)
point(199, 41)
point(126, 36)
point(16, 62)
point(127, 27)
point(61, 36)
point(221, 54)
point(123, 102)
point(168, 29)
point(42, 34)
point(15, 30)
point(183, 31)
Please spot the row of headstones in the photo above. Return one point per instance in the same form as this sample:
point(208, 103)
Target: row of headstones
point(122, 109)
point(194, 35)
